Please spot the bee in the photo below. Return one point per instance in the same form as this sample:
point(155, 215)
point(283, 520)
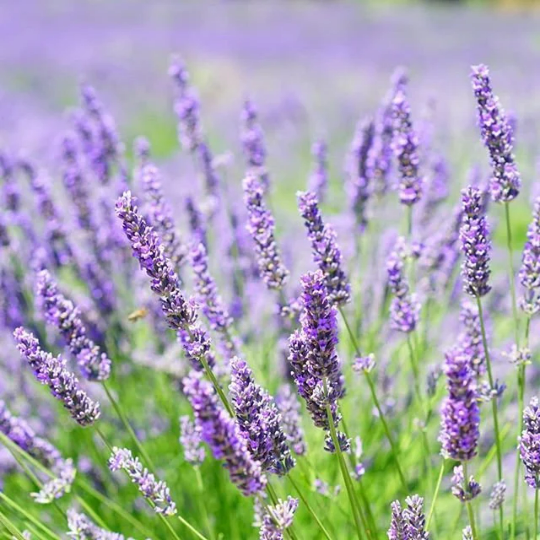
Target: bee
point(138, 314)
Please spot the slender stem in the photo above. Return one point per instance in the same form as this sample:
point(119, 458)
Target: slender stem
point(192, 529)
point(355, 507)
point(127, 425)
point(511, 270)
point(217, 386)
point(468, 504)
point(309, 508)
point(536, 512)
point(435, 495)
point(409, 221)
point(376, 402)
point(6, 522)
point(165, 521)
point(491, 383)
point(202, 505)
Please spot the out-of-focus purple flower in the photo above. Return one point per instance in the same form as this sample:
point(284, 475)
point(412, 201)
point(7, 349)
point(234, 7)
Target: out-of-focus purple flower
point(470, 339)
point(436, 190)
point(222, 434)
point(408, 523)
point(261, 227)
point(11, 194)
point(211, 178)
point(156, 492)
point(82, 528)
point(62, 314)
point(197, 222)
point(59, 485)
point(186, 107)
point(253, 144)
point(497, 495)
point(405, 146)
point(460, 414)
point(475, 244)
point(259, 420)
point(529, 443)
point(359, 172)
point(191, 441)
point(277, 518)
point(326, 252)
point(161, 215)
point(180, 314)
point(210, 301)
point(497, 136)
point(404, 309)
point(291, 419)
point(52, 372)
point(464, 489)
point(318, 180)
point(529, 273)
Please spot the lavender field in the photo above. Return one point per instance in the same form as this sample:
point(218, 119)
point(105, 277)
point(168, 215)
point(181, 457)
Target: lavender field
point(269, 270)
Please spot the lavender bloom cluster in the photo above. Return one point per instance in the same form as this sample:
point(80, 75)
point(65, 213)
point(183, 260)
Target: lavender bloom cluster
point(61, 313)
point(404, 309)
point(464, 489)
point(460, 414)
point(529, 443)
point(470, 339)
point(259, 420)
point(155, 492)
point(529, 273)
point(408, 523)
point(191, 441)
point(497, 136)
point(261, 227)
point(475, 244)
point(82, 528)
point(289, 408)
point(326, 252)
point(277, 518)
point(63, 384)
point(253, 144)
point(223, 435)
point(405, 146)
point(318, 181)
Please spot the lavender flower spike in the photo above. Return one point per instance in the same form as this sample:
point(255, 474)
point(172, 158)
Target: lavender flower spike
point(155, 492)
point(460, 414)
point(497, 136)
point(223, 436)
point(326, 252)
point(261, 227)
point(404, 309)
point(253, 144)
point(475, 244)
point(259, 420)
point(190, 439)
point(405, 146)
point(277, 518)
point(61, 313)
point(318, 181)
point(289, 408)
point(529, 273)
point(63, 384)
point(470, 339)
point(179, 313)
point(82, 528)
point(408, 523)
point(529, 443)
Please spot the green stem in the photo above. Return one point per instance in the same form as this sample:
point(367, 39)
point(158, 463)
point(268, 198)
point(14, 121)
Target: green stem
point(309, 508)
point(491, 384)
point(204, 510)
point(435, 495)
point(6, 522)
point(536, 511)
point(127, 425)
point(511, 270)
point(217, 386)
point(468, 504)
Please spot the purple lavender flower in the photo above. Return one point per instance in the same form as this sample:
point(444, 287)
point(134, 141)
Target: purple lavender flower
point(408, 523)
point(211, 178)
point(497, 495)
point(82, 528)
point(326, 252)
point(261, 228)
point(58, 486)
point(405, 147)
point(61, 313)
point(529, 273)
point(197, 222)
point(475, 244)
point(360, 173)
point(253, 144)
point(259, 420)
point(460, 414)
point(289, 408)
point(529, 443)
point(161, 216)
point(404, 309)
point(318, 181)
point(497, 136)
point(186, 107)
point(277, 518)
point(210, 301)
point(464, 491)
point(179, 313)
point(223, 436)
point(155, 492)
point(190, 439)
point(397, 530)
point(470, 339)
point(63, 384)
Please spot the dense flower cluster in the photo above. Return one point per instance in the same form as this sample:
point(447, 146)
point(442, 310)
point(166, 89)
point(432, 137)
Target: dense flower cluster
point(529, 443)
point(529, 273)
point(318, 181)
point(82, 528)
point(470, 339)
point(277, 518)
point(253, 144)
point(464, 489)
point(190, 439)
point(408, 523)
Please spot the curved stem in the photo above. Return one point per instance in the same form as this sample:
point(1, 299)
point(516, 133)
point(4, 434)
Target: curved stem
point(435, 495)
